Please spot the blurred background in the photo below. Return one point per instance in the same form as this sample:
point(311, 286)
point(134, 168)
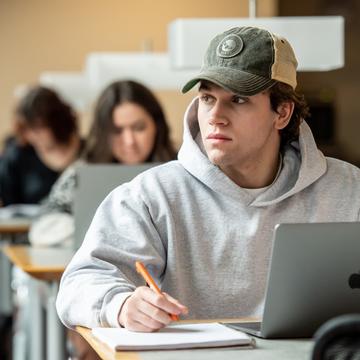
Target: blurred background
point(55, 42)
point(37, 36)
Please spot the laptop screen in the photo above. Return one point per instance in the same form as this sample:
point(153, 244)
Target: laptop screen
point(94, 183)
point(311, 277)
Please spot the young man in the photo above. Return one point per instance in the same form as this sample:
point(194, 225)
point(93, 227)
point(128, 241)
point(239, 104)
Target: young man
point(203, 225)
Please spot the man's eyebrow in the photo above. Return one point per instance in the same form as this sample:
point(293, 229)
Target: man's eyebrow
point(207, 86)
point(241, 96)
point(203, 87)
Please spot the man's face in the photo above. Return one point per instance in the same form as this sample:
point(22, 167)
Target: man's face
point(237, 131)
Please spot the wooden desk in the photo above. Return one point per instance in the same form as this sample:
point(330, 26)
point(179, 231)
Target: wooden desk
point(45, 266)
point(41, 263)
point(14, 226)
point(264, 350)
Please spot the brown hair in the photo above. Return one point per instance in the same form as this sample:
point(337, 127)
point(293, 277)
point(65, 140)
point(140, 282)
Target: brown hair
point(98, 149)
point(43, 107)
point(280, 93)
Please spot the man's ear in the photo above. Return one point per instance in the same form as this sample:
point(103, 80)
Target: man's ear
point(284, 112)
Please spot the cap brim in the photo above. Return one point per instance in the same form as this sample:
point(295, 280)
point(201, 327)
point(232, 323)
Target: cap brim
point(239, 82)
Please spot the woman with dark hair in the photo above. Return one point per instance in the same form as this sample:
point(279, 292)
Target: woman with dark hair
point(128, 127)
point(46, 141)
point(125, 111)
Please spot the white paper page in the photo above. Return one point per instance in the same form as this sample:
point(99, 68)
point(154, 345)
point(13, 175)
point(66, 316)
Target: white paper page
point(172, 337)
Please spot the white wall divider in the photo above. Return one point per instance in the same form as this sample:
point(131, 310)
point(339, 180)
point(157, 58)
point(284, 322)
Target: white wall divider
point(72, 86)
point(318, 41)
point(152, 69)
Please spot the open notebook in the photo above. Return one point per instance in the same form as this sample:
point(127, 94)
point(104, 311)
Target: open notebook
point(182, 336)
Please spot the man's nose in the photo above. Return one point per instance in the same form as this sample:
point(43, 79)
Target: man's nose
point(218, 115)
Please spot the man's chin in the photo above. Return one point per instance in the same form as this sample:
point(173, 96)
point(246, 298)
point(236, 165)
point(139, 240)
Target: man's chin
point(216, 157)
point(217, 160)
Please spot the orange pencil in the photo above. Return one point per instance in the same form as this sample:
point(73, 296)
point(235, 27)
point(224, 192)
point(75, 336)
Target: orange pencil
point(141, 269)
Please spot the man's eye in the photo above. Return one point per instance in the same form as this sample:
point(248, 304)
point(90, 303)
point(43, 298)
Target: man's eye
point(239, 100)
point(205, 98)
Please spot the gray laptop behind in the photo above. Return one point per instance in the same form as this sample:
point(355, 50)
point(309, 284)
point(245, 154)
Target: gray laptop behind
point(314, 276)
point(94, 182)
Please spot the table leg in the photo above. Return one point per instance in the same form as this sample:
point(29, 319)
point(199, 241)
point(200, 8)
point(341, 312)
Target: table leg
point(55, 344)
point(5, 284)
point(36, 329)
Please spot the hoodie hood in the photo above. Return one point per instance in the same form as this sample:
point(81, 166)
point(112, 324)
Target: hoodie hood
point(302, 165)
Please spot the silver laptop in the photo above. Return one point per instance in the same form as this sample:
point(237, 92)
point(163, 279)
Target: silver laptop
point(94, 183)
point(314, 276)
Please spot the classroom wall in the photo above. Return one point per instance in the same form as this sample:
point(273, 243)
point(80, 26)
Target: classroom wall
point(341, 87)
point(56, 35)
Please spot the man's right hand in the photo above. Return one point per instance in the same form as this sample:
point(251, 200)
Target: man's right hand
point(147, 311)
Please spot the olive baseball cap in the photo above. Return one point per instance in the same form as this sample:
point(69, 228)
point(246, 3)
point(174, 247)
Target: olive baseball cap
point(247, 60)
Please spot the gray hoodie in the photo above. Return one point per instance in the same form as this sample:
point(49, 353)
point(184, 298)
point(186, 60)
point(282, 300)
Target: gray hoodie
point(205, 240)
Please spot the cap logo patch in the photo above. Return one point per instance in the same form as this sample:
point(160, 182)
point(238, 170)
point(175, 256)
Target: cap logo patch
point(230, 46)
